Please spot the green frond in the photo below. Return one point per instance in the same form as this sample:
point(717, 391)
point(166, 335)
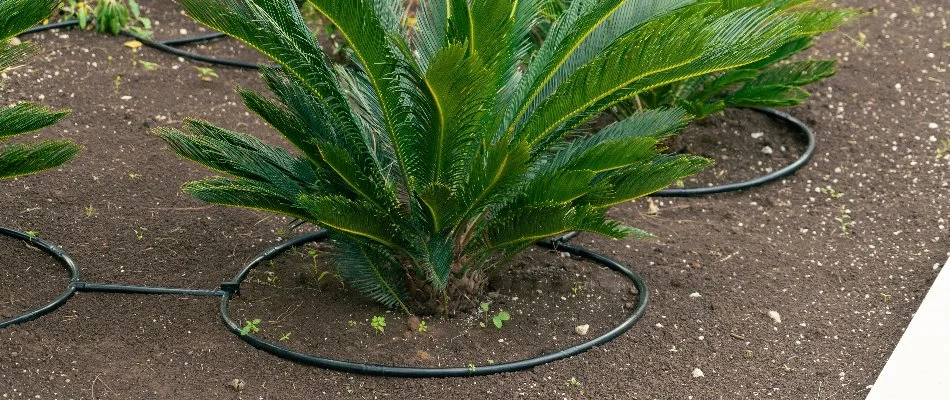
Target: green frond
point(496, 173)
point(727, 41)
point(437, 258)
point(461, 95)
point(353, 217)
point(276, 28)
point(240, 155)
point(19, 15)
point(244, 193)
point(441, 206)
point(390, 75)
point(27, 117)
point(13, 55)
point(797, 73)
point(644, 178)
point(629, 16)
point(567, 33)
point(767, 96)
point(25, 159)
point(370, 270)
point(431, 30)
point(364, 181)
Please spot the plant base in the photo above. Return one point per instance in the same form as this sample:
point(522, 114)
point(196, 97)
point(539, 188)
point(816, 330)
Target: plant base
point(233, 287)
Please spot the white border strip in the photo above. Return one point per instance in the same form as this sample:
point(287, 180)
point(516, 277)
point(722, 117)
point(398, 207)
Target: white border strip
point(919, 368)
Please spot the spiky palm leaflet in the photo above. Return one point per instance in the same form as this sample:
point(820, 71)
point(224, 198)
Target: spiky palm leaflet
point(21, 159)
point(453, 141)
point(770, 82)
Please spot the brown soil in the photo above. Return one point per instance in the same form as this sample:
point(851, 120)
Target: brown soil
point(720, 263)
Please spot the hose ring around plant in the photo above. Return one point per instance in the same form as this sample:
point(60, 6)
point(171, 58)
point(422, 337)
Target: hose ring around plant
point(643, 298)
point(762, 180)
point(60, 256)
point(166, 46)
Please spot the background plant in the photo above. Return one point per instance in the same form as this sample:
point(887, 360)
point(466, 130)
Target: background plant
point(26, 158)
point(110, 16)
point(453, 144)
point(773, 81)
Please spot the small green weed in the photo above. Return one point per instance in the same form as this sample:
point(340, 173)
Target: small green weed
point(423, 328)
point(285, 337)
point(845, 221)
point(577, 288)
point(943, 150)
point(251, 327)
point(379, 323)
point(148, 66)
point(498, 319)
point(206, 74)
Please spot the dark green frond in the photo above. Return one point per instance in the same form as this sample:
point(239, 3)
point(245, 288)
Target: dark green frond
point(276, 28)
point(27, 117)
point(644, 178)
point(371, 270)
point(461, 95)
point(244, 193)
point(24, 159)
point(353, 217)
point(19, 15)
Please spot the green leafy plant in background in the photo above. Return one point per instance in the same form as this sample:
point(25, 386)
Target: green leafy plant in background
point(110, 16)
point(772, 81)
point(26, 158)
point(78, 10)
point(453, 144)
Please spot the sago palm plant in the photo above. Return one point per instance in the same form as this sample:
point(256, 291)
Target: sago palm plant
point(452, 143)
point(26, 158)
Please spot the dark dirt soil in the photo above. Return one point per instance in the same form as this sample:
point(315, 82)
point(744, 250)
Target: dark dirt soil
point(844, 250)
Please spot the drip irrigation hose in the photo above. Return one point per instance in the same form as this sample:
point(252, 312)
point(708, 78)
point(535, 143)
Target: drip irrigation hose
point(165, 46)
point(413, 372)
point(63, 259)
point(77, 285)
point(762, 180)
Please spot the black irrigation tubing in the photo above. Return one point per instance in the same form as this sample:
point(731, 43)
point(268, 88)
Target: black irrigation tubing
point(762, 180)
point(643, 298)
point(229, 289)
point(77, 285)
point(165, 46)
point(63, 259)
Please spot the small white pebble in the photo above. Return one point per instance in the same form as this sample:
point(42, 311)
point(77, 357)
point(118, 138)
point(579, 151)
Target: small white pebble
point(757, 135)
point(775, 316)
point(659, 325)
point(183, 31)
point(933, 125)
point(695, 295)
point(698, 373)
point(126, 97)
point(582, 329)
point(767, 150)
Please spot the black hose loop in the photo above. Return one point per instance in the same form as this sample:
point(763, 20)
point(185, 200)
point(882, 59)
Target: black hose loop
point(185, 54)
point(165, 46)
point(762, 180)
point(63, 259)
point(643, 298)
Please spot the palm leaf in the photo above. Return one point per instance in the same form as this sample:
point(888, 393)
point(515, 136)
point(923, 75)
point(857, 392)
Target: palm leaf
point(27, 117)
point(24, 159)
